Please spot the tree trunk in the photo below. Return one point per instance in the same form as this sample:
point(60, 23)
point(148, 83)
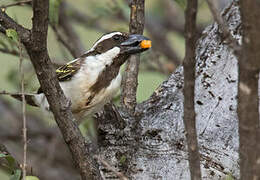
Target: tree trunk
point(153, 146)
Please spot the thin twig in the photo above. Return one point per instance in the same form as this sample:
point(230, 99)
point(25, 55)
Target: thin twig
point(83, 19)
point(111, 168)
point(68, 29)
point(19, 3)
point(64, 42)
point(223, 26)
point(11, 52)
point(23, 111)
point(155, 29)
point(9, 93)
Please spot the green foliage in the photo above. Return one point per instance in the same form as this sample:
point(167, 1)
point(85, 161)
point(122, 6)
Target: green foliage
point(12, 34)
point(17, 175)
point(2, 155)
point(54, 11)
point(9, 159)
point(181, 3)
point(15, 172)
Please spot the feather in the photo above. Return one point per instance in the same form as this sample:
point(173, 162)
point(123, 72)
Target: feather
point(66, 72)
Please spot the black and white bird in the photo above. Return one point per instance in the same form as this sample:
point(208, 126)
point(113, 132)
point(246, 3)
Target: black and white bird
point(91, 80)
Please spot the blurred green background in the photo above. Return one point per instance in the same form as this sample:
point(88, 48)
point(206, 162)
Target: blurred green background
point(165, 20)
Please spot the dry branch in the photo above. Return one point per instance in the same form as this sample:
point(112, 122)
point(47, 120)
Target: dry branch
point(130, 80)
point(23, 111)
point(75, 45)
point(223, 26)
point(11, 52)
point(248, 101)
point(36, 45)
point(42, 139)
point(65, 42)
point(155, 29)
point(189, 84)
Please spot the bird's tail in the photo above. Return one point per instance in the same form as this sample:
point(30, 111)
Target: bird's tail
point(29, 98)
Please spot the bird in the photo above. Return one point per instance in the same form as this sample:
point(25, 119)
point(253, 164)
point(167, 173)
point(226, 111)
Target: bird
point(94, 78)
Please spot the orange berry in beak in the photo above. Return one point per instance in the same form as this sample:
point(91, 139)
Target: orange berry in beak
point(145, 44)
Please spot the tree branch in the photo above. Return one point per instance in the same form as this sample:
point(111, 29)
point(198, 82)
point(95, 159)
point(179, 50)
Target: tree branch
point(42, 139)
point(153, 27)
point(36, 46)
point(65, 43)
point(8, 23)
point(248, 100)
point(158, 33)
point(189, 84)
point(83, 19)
point(23, 111)
point(223, 26)
point(130, 80)
point(111, 168)
point(11, 52)
point(75, 45)
point(161, 42)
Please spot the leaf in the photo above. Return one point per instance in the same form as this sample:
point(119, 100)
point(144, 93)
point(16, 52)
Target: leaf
point(12, 34)
point(2, 155)
point(31, 178)
point(54, 11)
point(17, 175)
point(10, 160)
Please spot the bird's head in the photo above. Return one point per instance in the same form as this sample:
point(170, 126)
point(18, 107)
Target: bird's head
point(121, 45)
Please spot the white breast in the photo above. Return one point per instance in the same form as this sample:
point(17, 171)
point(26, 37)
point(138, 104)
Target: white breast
point(102, 98)
point(77, 89)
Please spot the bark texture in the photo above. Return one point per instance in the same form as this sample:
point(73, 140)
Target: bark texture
point(189, 117)
point(35, 42)
point(130, 79)
point(249, 66)
point(153, 146)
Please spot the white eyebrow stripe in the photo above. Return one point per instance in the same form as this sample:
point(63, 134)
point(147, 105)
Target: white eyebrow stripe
point(107, 36)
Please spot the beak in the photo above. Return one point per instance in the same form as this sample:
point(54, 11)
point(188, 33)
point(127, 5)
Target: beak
point(135, 43)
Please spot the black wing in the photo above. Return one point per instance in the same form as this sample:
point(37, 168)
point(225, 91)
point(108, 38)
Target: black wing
point(66, 72)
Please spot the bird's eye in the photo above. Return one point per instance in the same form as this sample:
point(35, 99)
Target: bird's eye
point(116, 37)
